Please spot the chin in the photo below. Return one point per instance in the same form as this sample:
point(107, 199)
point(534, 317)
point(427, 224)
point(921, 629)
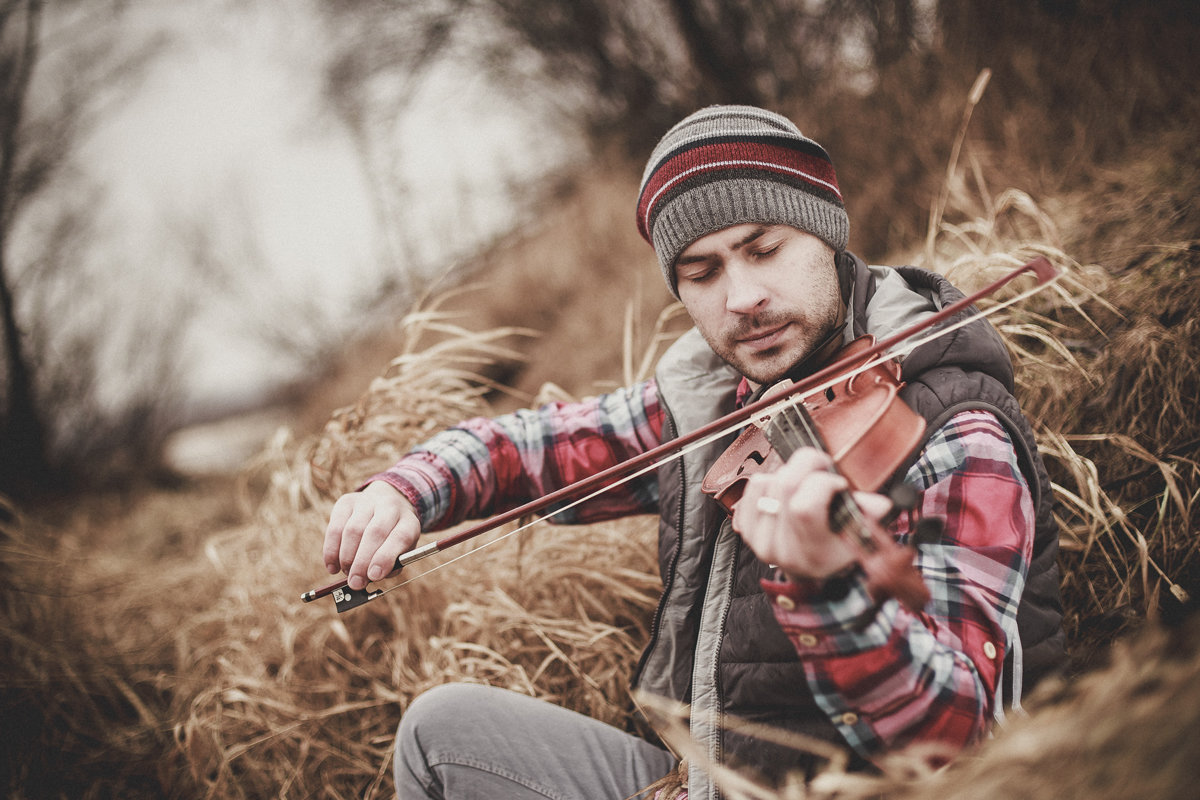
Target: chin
point(769, 366)
point(762, 371)
point(762, 367)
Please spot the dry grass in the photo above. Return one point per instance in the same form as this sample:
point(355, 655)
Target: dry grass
point(225, 685)
point(1125, 731)
point(599, 294)
point(160, 649)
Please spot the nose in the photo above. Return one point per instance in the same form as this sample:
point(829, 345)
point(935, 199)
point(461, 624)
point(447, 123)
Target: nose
point(745, 294)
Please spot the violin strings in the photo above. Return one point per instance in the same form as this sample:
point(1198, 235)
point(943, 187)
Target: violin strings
point(796, 425)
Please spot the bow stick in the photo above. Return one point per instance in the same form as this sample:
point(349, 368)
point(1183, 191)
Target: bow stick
point(894, 346)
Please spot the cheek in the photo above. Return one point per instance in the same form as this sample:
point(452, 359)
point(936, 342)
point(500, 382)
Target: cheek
point(696, 301)
point(817, 297)
point(706, 314)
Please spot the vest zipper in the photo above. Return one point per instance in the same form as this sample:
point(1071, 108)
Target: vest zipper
point(669, 578)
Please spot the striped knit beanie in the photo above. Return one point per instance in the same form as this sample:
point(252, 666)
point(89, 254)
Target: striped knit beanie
point(727, 165)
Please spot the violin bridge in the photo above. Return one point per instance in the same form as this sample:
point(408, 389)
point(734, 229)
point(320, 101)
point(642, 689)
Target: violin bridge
point(346, 598)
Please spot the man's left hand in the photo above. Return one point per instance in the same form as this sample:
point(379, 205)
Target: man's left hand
point(783, 516)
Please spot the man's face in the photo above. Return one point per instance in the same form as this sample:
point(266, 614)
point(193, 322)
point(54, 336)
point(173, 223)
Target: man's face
point(763, 296)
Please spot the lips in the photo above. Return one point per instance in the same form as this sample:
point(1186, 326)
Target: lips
point(764, 339)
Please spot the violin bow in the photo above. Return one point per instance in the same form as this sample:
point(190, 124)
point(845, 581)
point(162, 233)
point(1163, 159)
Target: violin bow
point(893, 346)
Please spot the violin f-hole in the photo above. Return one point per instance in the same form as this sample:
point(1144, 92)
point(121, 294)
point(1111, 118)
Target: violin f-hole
point(757, 457)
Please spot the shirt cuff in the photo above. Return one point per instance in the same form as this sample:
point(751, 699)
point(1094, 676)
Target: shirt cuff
point(406, 488)
point(837, 614)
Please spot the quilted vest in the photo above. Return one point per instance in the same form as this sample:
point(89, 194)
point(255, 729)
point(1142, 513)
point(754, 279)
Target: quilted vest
point(715, 643)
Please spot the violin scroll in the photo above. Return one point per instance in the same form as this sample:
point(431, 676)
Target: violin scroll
point(890, 569)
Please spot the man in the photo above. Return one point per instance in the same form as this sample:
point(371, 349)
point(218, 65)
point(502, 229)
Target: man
point(765, 617)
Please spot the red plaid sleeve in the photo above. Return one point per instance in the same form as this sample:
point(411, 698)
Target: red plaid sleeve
point(485, 466)
point(888, 677)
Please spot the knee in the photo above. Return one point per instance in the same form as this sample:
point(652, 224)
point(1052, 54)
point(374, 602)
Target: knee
point(426, 733)
point(437, 712)
point(437, 706)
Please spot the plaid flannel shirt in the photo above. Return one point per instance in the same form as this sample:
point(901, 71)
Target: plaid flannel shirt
point(901, 678)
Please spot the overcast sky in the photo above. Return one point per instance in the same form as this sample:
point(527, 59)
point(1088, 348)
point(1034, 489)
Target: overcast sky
point(226, 134)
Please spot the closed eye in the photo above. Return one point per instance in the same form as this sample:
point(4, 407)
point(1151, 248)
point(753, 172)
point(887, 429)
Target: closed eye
point(697, 273)
point(766, 252)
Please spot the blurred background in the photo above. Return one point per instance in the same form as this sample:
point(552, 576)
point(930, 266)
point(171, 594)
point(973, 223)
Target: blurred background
point(206, 200)
point(251, 250)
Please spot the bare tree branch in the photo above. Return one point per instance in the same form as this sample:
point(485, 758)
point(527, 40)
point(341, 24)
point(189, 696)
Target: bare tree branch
point(23, 445)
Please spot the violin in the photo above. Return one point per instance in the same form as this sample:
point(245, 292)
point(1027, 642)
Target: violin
point(862, 357)
point(862, 423)
point(868, 431)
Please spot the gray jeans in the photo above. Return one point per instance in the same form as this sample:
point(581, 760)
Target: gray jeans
point(468, 742)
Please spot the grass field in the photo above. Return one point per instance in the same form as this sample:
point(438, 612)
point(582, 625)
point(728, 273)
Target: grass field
point(155, 646)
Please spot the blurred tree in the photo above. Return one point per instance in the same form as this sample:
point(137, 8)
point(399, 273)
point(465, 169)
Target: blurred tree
point(379, 52)
point(45, 371)
point(621, 72)
point(624, 70)
point(635, 68)
point(23, 438)
point(881, 83)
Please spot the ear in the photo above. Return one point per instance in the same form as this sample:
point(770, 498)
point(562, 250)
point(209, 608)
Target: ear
point(845, 272)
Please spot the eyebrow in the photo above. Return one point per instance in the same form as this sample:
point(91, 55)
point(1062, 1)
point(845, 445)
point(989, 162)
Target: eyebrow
point(758, 232)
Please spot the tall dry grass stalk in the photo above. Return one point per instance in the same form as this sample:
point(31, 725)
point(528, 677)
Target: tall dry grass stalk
point(1120, 565)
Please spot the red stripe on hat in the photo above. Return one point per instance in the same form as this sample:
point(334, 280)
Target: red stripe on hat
point(810, 167)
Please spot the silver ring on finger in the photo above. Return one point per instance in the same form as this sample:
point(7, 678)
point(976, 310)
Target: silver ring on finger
point(767, 505)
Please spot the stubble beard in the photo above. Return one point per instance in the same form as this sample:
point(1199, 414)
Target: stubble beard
point(769, 365)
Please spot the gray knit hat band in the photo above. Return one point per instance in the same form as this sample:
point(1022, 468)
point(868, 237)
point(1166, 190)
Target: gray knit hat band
point(728, 165)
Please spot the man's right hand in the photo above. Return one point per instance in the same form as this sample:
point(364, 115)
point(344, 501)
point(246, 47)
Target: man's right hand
point(368, 530)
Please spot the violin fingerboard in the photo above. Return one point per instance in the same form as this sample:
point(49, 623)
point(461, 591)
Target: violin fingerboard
point(791, 429)
point(841, 512)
